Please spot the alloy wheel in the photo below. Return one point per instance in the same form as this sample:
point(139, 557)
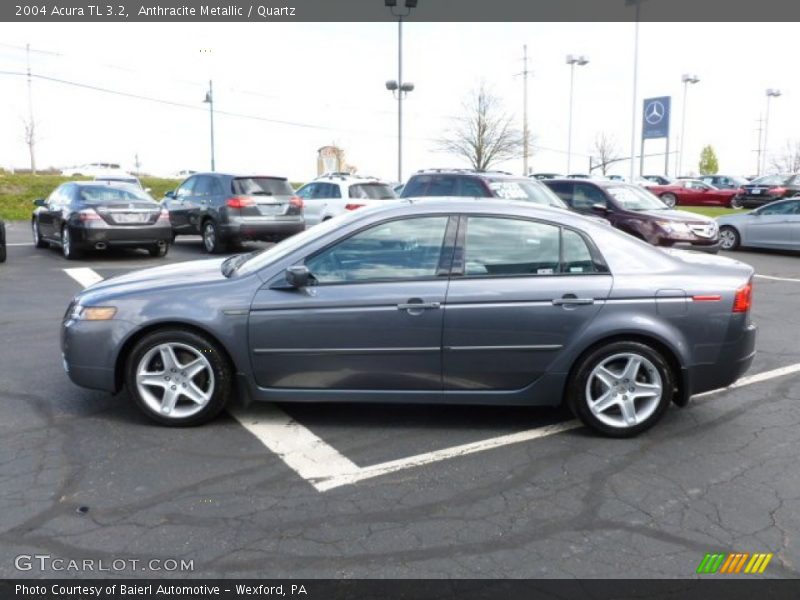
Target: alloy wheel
point(624, 390)
point(209, 237)
point(175, 380)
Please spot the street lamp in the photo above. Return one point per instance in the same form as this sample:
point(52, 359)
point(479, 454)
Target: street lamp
point(572, 60)
point(398, 88)
point(686, 80)
point(771, 93)
point(210, 101)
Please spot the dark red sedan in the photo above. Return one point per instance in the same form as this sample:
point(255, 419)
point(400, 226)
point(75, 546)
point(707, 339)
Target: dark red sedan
point(693, 192)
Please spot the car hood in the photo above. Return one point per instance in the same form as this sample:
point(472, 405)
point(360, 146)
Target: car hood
point(174, 275)
point(676, 215)
point(733, 217)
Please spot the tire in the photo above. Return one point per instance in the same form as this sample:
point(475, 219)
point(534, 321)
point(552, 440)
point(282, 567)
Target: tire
point(38, 242)
point(211, 240)
point(2, 252)
point(729, 238)
point(735, 202)
point(159, 251)
point(671, 200)
point(67, 246)
point(198, 398)
point(624, 415)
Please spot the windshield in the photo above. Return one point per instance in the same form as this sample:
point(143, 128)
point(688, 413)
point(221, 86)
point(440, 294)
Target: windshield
point(103, 194)
point(372, 191)
point(771, 180)
point(258, 260)
point(525, 189)
point(262, 186)
point(631, 197)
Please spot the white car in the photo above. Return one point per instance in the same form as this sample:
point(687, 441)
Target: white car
point(332, 194)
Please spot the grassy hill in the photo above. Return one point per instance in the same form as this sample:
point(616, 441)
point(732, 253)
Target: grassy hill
point(19, 190)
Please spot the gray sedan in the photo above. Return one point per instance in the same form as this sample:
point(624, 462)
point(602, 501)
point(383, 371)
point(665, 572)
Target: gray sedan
point(775, 225)
point(447, 300)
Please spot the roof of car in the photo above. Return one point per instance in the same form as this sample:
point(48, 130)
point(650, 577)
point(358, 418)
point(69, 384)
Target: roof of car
point(599, 182)
point(236, 175)
point(472, 172)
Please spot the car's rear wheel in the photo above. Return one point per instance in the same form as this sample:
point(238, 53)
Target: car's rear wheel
point(158, 251)
point(178, 377)
point(37, 236)
point(211, 239)
point(735, 202)
point(2, 252)
point(68, 248)
point(621, 389)
point(729, 238)
point(669, 199)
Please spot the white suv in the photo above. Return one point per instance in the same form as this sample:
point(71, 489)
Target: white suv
point(332, 194)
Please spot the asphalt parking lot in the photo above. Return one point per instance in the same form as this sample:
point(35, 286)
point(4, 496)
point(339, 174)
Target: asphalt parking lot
point(387, 491)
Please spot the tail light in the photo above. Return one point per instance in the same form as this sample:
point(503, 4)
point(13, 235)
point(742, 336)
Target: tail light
point(744, 298)
point(297, 202)
point(352, 206)
point(88, 214)
point(163, 217)
point(239, 202)
point(779, 191)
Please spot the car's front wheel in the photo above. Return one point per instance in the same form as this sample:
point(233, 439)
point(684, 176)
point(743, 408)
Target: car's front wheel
point(178, 377)
point(621, 389)
point(211, 238)
point(159, 250)
point(670, 200)
point(729, 238)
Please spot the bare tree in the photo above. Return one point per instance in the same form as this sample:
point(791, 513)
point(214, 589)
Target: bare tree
point(606, 149)
point(484, 134)
point(30, 141)
point(789, 160)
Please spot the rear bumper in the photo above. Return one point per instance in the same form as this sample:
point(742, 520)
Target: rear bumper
point(264, 228)
point(132, 237)
point(733, 361)
point(756, 201)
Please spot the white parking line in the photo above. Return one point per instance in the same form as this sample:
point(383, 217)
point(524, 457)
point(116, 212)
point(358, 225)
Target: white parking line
point(326, 468)
point(20, 244)
point(84, 275)
point(773, 278)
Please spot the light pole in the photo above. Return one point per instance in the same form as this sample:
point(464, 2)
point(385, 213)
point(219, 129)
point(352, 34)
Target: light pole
point(637, 5)
point(771, 93)
point(686, 80)
point(210, 101)
point(572, 60)
point(400, 88)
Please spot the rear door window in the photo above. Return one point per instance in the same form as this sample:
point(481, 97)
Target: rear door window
point(497, 247)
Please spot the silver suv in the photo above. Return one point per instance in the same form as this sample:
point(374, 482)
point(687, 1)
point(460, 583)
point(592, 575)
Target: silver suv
point(332, 194)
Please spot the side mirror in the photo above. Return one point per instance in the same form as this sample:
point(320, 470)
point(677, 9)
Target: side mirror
point(298, 276)
point(170, 194)
point(600, 208)
point(40, 202)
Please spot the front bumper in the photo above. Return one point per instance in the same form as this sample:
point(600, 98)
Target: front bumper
point(89, 351)
point(262, 228)
point(711, 248)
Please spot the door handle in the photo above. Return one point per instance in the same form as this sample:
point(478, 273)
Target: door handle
point(571, 300)
point(411, 305)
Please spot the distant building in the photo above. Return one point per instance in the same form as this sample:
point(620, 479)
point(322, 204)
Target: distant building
point(330, 159)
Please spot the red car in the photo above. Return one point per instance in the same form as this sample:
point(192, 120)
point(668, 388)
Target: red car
point(692, 192)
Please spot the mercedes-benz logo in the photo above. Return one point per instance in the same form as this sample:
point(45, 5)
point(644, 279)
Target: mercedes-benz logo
point(654, 112)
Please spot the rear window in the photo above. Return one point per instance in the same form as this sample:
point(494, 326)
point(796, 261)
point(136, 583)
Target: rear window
point(372, 191)
point(262, 186)
point(96, 194)
point(772, 180)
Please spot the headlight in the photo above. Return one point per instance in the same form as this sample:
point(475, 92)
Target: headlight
point(675, 226)
point(92, 313)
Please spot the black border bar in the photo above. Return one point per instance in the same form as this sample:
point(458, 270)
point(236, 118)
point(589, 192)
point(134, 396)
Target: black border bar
point(375, 10)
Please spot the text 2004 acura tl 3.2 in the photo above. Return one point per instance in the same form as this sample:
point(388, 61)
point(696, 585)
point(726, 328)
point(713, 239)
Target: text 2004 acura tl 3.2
point(451, 301)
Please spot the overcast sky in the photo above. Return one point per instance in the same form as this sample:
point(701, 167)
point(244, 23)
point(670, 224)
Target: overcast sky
point(327, 80)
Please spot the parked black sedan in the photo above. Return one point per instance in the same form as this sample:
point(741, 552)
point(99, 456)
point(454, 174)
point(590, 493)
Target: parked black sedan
point(2, 241)
point(767, 189)
point(227, 209)
point(80, 216)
